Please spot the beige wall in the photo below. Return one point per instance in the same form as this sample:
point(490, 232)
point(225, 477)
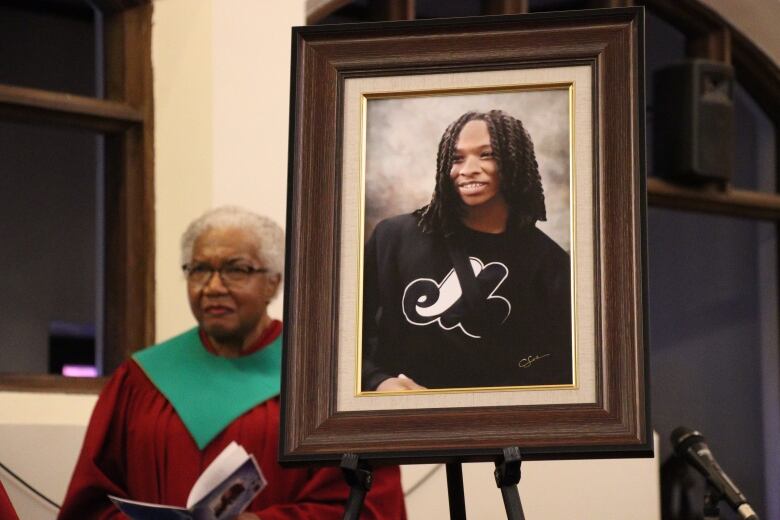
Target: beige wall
point(250, 102)
point(40, 436)
point(221, 99)
point(615, 489)
point(182, 41)
point(221, 104)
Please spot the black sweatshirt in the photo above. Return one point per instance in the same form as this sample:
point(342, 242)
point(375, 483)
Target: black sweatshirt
point(416, 321)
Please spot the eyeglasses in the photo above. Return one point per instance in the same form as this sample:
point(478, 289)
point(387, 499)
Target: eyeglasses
point(230, 274)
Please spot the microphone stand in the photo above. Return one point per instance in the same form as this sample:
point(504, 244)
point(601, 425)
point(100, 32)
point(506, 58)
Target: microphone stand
point(711, 498)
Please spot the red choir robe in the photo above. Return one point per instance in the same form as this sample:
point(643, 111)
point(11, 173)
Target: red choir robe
point(137, 447)
point(7, 511)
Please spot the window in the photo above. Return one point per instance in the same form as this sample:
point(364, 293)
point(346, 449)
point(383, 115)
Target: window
point(76, 115)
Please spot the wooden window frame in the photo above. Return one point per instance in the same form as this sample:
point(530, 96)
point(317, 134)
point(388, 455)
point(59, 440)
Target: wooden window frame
point(126, 118)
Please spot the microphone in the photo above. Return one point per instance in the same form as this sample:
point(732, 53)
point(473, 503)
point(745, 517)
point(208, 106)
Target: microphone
point(689, 444)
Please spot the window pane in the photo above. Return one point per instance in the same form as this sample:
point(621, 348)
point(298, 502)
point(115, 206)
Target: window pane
point(47, 204)
point(48, 45)
point(754, 145)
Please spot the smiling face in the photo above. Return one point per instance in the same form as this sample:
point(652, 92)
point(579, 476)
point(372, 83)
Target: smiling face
point(474, 170)
point(232, 315)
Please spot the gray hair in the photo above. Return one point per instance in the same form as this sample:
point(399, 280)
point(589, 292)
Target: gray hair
point(269, 237)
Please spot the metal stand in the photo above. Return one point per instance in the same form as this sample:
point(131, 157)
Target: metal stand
point(455, 491)
point(507, 475)
point(358, 476)
point(711, 498)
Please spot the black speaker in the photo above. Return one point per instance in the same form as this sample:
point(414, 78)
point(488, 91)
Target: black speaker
point(693, 115)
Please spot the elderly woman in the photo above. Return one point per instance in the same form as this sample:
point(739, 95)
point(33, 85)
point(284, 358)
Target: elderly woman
point(466, 291)
point(171, 409)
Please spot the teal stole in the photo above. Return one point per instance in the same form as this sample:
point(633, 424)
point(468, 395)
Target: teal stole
point(207, 391)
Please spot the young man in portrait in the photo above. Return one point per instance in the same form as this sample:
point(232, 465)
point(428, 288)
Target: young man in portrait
point(466, 291)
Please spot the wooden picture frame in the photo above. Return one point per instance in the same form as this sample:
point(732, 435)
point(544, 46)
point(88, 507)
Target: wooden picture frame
point(596, 57)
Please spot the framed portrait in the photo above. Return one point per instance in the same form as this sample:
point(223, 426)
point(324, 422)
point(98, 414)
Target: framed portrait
point(466, 240)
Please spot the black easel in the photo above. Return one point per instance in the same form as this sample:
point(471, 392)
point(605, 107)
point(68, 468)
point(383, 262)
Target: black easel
point(507, 474)
point(455, 494)
point(358, 476)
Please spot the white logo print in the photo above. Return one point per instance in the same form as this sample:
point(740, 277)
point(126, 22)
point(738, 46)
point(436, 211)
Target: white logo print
point(426, 301)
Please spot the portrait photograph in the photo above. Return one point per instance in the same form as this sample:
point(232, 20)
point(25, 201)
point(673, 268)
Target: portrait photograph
point(475, 180)
point(465, 240)
point(483, 177)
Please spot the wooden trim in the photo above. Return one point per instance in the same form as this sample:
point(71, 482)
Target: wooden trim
point(601, 4)
point(314, 429)
point(733, 202)
point(504, 6)
point(689, 16)
point(714, 45)
point(708, 34)
point(392, 10)
point(115, 6)
point(323, 10)
point(29, 104)
point(47, 383)
point(129, 298)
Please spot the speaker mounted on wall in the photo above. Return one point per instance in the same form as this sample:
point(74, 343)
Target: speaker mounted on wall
point(693, 118)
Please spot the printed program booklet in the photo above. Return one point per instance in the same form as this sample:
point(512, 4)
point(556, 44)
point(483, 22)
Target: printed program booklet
point(224, 489)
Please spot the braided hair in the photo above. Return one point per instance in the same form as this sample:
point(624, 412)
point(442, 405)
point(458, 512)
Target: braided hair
point(518, 172)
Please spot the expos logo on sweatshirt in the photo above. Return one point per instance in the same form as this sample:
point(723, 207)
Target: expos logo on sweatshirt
point(426, 301)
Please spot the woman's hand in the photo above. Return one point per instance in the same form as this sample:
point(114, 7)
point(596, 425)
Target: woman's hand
point(398, 384)
point(247, 516)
